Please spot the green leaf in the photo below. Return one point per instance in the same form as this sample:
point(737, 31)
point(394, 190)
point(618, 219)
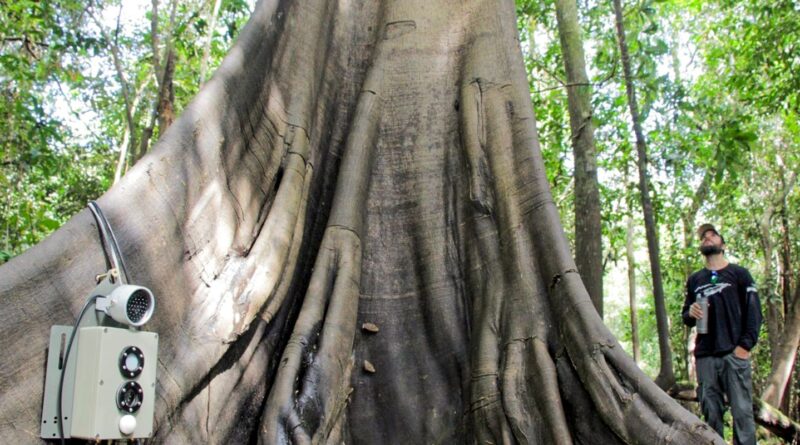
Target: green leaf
point(49, 224)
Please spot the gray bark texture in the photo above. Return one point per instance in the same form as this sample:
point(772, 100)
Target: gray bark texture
point(783, 327)
point(352, 239)
point(631, 259)
point(588, 228)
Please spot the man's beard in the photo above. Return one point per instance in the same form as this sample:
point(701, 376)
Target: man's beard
point(710, 249)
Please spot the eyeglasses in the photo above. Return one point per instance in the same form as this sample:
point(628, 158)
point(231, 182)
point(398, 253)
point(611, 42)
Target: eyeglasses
point(714, 277)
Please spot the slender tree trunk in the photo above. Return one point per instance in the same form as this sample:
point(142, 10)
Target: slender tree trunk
point(768, 292)
point(122, 160)
point(166, 94)
point(121, 78)
point(775, 308)
point(689, 219)
point(666, 376)
point(795, 393)
point(675, 57)
point(785, 353)
point(788, 299)
point(154, 40)
point(786, 258)
point(632, 289)
point(588, 229)
point(212, 24)
point(689, 242)
point(164, 104)
point(783, 328)
point(350, 164)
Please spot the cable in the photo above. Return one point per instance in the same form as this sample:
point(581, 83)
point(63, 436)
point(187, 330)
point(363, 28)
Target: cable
point(64, 365)
point(102, 235)
point(115, 246)
point(107, 237)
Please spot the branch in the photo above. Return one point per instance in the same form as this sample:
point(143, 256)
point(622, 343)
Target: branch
point(24, 39)
point(77, 115)
point(154, 40)
point(212, 23)
point(576, 84)
point(770, 210)
point(123, 148)
point(557, 79)
point(120, 73)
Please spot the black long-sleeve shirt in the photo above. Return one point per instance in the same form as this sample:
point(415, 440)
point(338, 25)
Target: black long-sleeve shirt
point(734, 314)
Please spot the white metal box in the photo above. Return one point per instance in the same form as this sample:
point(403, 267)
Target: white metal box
point(95, 375)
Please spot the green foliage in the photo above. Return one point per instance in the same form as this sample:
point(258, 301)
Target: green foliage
point(43, 170)
point(717, 85)
point(62, 114)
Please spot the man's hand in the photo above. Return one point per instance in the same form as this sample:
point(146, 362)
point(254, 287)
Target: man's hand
point(741, 353)
point(695, 311)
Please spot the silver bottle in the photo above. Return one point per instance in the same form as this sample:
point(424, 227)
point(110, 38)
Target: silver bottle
point(702, 323)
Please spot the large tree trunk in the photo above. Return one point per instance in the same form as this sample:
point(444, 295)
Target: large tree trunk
point(350, 163)
point(588, 229)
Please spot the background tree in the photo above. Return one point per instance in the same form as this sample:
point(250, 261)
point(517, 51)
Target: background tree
point(588, 230)
point(666, 376)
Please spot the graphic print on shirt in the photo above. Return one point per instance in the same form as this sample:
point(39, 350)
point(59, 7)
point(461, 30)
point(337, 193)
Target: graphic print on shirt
point(707, 290)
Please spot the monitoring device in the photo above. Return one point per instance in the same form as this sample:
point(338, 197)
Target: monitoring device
point(128, 304)
point(104, 377)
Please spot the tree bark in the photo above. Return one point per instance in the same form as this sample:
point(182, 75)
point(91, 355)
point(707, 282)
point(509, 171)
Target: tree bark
point(154, 40)
point(632, 289)
point(121, 78)
point(666, 375)
point(785, 355)
point(588, 229)
point(787, 298)
point(782, 328)
point(350, 163)
point(166, 93)
point(786, 259)
point(122, 159)
point(774, 312)
point(163, 110)
point(166, 90)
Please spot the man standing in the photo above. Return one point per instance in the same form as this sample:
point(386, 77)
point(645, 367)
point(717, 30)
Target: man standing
point(723, 353)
